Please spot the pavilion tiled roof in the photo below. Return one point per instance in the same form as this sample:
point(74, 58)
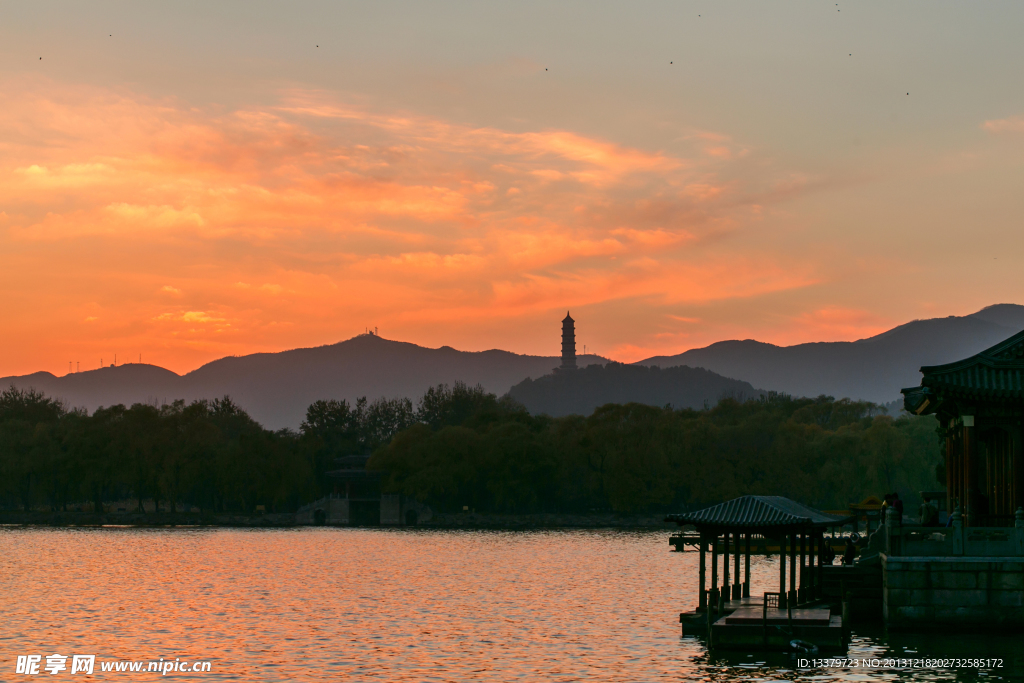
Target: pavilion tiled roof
point(757, 512)
point(996, 372)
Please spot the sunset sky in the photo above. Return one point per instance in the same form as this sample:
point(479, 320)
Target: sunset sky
point(191, 180)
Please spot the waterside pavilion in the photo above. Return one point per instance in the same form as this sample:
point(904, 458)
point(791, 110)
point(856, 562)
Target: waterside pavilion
point(734, 616)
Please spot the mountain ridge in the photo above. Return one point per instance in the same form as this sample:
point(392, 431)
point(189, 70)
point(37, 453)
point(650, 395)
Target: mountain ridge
point(874, 368)
point(586, 389)
point(276, 388)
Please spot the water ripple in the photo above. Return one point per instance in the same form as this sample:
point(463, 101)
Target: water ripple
point(390, 605)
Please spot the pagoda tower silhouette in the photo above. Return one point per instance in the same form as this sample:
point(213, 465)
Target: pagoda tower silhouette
point(568, 343)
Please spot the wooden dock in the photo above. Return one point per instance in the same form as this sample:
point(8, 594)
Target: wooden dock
point(751, 632)
point(805, 616)
point(696, 621)
point(745, 625)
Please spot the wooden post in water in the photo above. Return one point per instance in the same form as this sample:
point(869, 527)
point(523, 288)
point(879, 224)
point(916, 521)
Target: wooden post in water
point(789, 612)
point(702, 599)
point(709, 614)
point(746, 568)
point(764, 623)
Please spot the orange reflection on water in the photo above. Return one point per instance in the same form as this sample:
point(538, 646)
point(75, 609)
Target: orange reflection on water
point(345, 603)
point(370, 604)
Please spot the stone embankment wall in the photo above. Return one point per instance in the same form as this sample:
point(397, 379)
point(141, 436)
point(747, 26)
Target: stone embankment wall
point(945, 592)
point(395, 510)
point(471, 520)
point(336, 514)
point(151, 519)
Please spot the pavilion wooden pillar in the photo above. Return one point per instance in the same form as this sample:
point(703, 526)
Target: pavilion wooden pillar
point(802, 589)
point(820, 538)
point(726, 588)
point(792, 564)
point(714, 571)
point(702, 598)
point(746, 567)
point(992, 477)
point(967, 506)
point(737, 585)
point(985, 479)
point(821, 572)
point(811, 538)
point(950, 477)
point(782, 570)
point(1016, 469)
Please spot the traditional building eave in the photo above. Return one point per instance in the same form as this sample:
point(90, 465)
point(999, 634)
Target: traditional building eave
point(758, 512)
point(997, 373)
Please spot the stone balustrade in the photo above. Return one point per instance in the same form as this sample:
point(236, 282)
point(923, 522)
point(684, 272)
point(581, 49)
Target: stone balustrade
point(954, 541)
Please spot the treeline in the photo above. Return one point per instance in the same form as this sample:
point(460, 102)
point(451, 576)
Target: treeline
point(633, 457)
point(460, 446)
point(207, 454)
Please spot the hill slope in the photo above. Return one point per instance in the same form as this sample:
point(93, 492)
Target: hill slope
point(276, 388)
point(874, 369)
point(580, 392)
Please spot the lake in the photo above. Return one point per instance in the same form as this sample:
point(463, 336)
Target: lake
point(398, 605)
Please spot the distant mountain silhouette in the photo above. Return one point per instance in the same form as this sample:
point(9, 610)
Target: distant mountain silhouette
point(873, 369)
point(276, 388)
point(580, 392)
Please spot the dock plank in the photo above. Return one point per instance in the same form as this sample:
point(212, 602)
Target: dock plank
point(801, 617)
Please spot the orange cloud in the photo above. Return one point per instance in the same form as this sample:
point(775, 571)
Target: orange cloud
point(836, 323)
point(304, 222)
point(1014, 124)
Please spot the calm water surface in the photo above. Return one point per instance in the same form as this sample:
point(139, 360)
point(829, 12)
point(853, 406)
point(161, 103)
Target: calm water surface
point(397, 605)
